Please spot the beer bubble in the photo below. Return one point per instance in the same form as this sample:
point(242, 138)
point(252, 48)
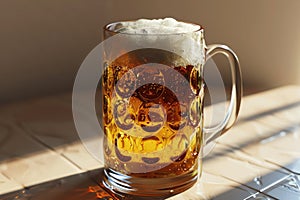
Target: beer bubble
point(179, 158)
point(122, 116)
point(178, 82)
point(177, 115)
point(156, 26)
point(168, 97)
point(150, 83)
point(125, 82)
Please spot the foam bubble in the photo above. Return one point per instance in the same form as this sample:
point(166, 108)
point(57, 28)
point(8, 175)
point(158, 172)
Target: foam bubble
point(156, 26)
point(184, 39)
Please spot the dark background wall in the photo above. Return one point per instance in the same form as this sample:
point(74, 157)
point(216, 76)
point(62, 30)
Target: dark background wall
point(42, 43)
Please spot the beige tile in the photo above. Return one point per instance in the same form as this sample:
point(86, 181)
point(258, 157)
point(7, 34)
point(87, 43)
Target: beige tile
point(38, 168)
point(290, 113)
point(51, 122)
point(261, 115)
point(211, 186)
point(227, 171)
point(15, 143)
point(238, 167)
point(269, 100)
point(224, 151)
point(274, 136)
point(28, 162)
point(251, 130)
point(281, 149)
point(48, 117)
point(8, 185)
point(61, 136)
point(281, 119)
point(53, 132)
point(245, 134)
point(261, 104)
point(78, 154)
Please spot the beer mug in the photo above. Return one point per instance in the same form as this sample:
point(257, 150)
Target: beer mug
point(152, 91)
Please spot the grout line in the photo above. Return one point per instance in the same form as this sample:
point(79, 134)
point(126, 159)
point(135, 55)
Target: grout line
point(12, 179)
point(72, 162)
point(53, 149)
point(6, 176)
point(32, 136)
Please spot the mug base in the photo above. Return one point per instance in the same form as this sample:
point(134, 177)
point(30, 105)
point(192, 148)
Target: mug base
point(148, 187)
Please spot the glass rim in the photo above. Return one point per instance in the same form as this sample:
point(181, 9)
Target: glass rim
point(108, 28)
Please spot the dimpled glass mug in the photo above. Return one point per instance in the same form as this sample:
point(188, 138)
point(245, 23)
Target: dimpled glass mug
point(152, 90)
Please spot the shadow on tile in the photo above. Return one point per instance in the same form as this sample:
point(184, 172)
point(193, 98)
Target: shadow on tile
point(83, 186)
point(272, 186)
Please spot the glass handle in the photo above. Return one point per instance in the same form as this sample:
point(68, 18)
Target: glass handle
point(214, 132)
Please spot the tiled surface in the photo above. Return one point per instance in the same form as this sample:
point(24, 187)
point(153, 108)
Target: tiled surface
point(76, 187)
point(254, 160)
point(38, 143)
point(28, 162)
point(8, 185)
point(217, 188)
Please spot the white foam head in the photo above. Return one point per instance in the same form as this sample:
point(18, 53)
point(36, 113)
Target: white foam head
point(156, 26)
point(184, 39)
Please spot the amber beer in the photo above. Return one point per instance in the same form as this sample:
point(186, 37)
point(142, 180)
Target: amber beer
point(152, 115)
point(152, 105)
